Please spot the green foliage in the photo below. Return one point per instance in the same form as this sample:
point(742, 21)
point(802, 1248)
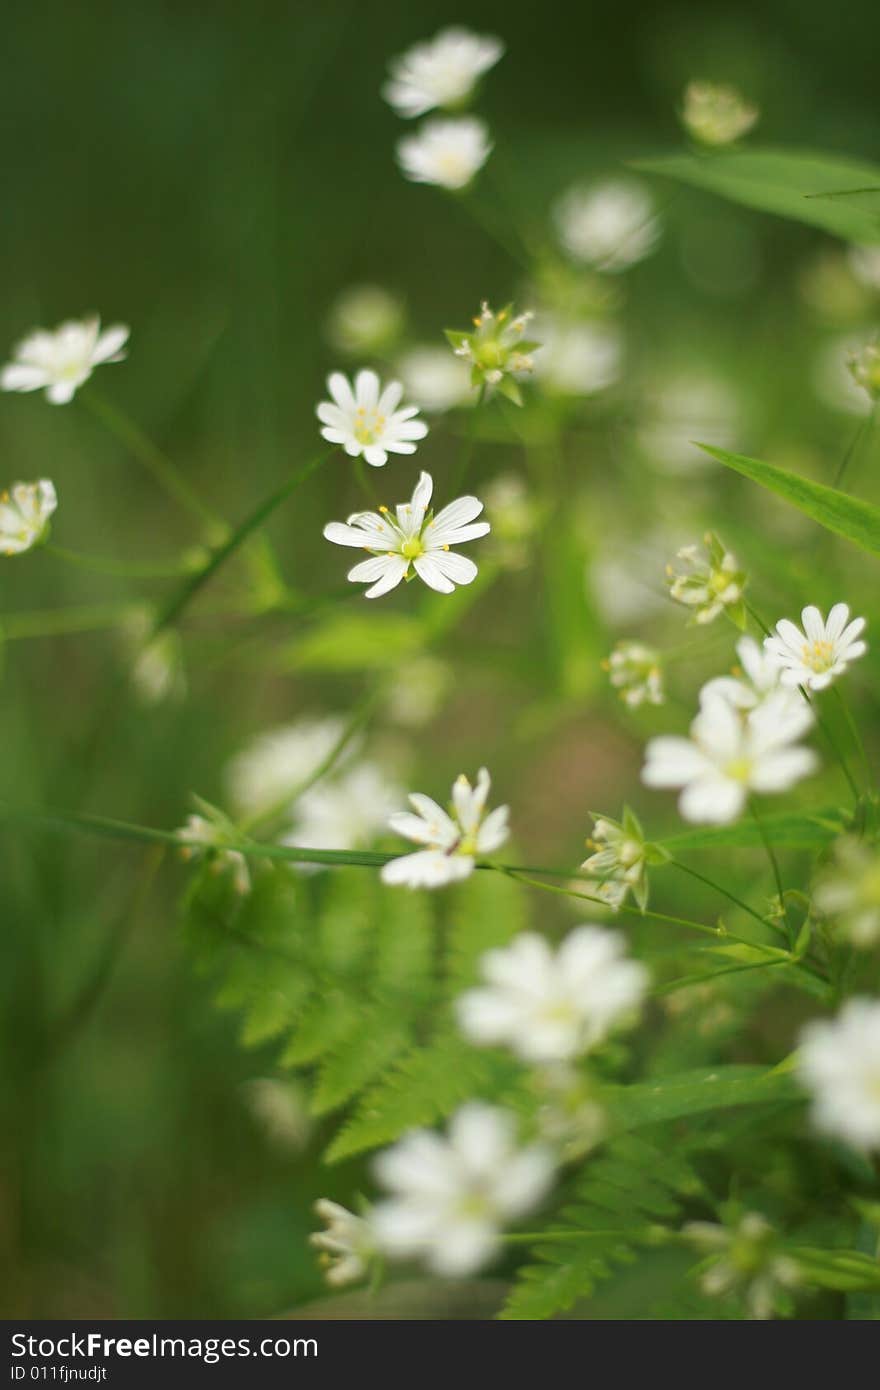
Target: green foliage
point(786, 830)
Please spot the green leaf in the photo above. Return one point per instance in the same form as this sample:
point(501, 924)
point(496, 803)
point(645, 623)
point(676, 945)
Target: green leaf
point(788, 830)
point(846, 516)
point(697, 1092)
point(823, 190)
point(488, 910)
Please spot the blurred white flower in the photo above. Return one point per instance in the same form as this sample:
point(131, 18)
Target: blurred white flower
point(61, 359)
point(848, 891)
point(414, 539)
point(683, 409)
point(364, 319)
point(839, 1064)
point(281, 1110)
point(367, 421)
point(864, 368)
point(348, 1246)
point(728, 756)
point(275, 764)
point(708, 582)
point(451, 1196)
point(832, 379)
point(609, 226)
point(445, 152)
point(636, 674)
point(823, 650)
point(744, 1259)
point(716, 114)
point(864, 262)
point(578, 358)
point(553, 1006)
point(434, 379)
point(440, 72)
point(758, 678)
point(24, 515)
point(345, 811)
point(207, 836)
point(624, 578)
point(454, 840)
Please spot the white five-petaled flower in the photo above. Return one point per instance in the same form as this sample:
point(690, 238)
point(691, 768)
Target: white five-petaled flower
point(413, 538)
point(553, 1006)
point(440, 72)
point(450, 1196)
point(823, 650)
point(59, 360)
point(839, 1064)
point(366, 420)
point(453, 840)
point(24, 515)
point(445, 152)
point(347, 1246)
point(728, 756)
point(610, 226)
point(759, 677)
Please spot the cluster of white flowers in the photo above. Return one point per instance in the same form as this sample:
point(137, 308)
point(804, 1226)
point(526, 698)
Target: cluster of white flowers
point(636, 674)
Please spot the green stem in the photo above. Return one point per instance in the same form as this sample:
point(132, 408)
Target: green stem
point(864, 428)
point(855, 735)
point(731, 897)
point(771, 855)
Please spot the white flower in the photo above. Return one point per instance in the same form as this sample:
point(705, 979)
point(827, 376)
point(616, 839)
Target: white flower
point(864, 368)
point(635, 672)
point(413, 539)
point(345, 811)
point(848, 891)
point(366, 420)
point(281, 1110)
point(441, 72)
point(621, 860)
point(24, 515)
point(744, 1260)
point(495, 349)
point(832, 378)
point(839, 1064)
point(364, 319)
point(347, 1246)
point(610, 226)
point(578, 358)
point(454, 841)
point(207, 836)
point(62, 359)
point(823, 650)
point(716, 114)
point(434, 379)
point(709, 581)
point(445, 152)
point(728, 756)
point(553, 1006)
point(758, 679)
point(451, 1196)
point(276, 763)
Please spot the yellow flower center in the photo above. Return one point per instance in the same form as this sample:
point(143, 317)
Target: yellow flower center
point(739, 769)
point(412, 548)
point(368, 425)
point(818, 655)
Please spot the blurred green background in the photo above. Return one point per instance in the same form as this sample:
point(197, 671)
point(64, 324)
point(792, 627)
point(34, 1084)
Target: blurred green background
point(214, 175)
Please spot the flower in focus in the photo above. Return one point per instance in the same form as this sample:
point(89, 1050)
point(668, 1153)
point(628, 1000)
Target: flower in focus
point(495, 350)
point(839, 1064)
point(208, 836)
point(848, 891)
point(823, 650)
point(621, 859)
point(746, 688)
point(25, 510)
point(728, 756)
point(413, 540)
point(433, 379)
point(59, 360)
point(864, 367)
point(553, 1006)
point(447, 153)
point(364, 319)
point(579, 358)
point(635, 672)
point(454, 840)
point(610, 226)
point(451, 1195)
point(744, 1259)
point(716, 114)
point(709, 582)
point(348, 1246)
point(366, 420)
point(441, 72)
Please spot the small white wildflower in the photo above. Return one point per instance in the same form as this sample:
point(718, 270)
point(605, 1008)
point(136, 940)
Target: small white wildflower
point(451, 1195)
point(716, 114)
point(553, 1006)
point(414, 540)
point(447, 153)
point(366, 420)
point(746, 688)
point(207, 836)
point(25, 510)
point(609, 226)
point(621, 859)
point(744, 1259)
point(728, 756)
point(709, 582)
point(864, 368)
point(347, 1247)
point(496, 350)
point(433, 379)
point(59, 360)
point(578, 358)
point(832, 378)
point(364, 319)
point(636, 674)
point(839, 1064)
point(276, 763)
point(823, 650)
point(440, 72)
point(454, 841)
point(848, 891)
